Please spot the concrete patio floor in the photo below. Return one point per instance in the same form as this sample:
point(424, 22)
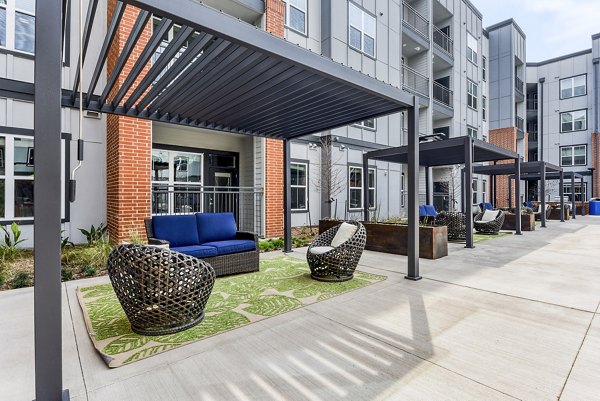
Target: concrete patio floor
point(514, 318)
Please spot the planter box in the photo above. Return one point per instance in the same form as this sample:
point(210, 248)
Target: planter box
point(392, 238)
point(555, 214)
point(527, 222)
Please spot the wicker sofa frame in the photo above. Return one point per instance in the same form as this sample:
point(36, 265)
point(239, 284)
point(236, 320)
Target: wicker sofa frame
point(234, 263)
point(162, 292)
point(456, 223)
point(489, 227)
point(339, 263)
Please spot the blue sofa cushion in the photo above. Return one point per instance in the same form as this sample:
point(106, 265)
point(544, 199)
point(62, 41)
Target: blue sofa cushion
point(528, 204)
point(422, 212)
point(198, 251)
point(430, 211)
point(486, 206)
point(180, 230)
point(232, 246)
point(215, 227)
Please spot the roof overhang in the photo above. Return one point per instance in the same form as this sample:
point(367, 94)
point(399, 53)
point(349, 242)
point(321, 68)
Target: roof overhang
point(231, 76)
point(526, 168)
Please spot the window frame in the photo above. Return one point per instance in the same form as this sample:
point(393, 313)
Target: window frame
point(362, 195)
point(470, 130)
point(560, 122)
point(360, 124)
point(582, 192)
point(11, 11)
point(472, 53)
point(402, 189)
point(572, 147)
point(288, 5)
point(305, 186)
point(572, 79)
point(475, 188)
point(484, 108)
point(483, 68)
point(362, 30)
point(484, 190)
point(471, 84)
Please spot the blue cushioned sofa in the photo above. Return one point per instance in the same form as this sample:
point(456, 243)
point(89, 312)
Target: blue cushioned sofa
point(212, 237)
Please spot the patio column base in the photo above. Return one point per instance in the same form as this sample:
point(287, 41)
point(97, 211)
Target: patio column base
point(413, 278)
point(470, 247)
point(65, 395)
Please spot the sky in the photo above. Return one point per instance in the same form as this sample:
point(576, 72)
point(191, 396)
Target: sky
point(553, 27)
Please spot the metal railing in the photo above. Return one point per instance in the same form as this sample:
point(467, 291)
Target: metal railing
point(519, 84)
point(443, 41)
point(416, 21)
point(414, 81)
point(519, 123)
point(442, 94)
point(533, 136)
point(244, 202)
point(532, 103)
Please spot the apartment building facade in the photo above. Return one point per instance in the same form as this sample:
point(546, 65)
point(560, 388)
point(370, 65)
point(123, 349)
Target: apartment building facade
point(562, 117)
point(436, 49)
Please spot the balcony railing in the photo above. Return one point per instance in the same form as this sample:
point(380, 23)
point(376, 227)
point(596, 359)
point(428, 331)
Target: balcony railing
point(519, 123)
point(519, 84)
point(244, 202)
point(533, 136)
point(416, 21)
point(532, 104)
point(442, 41)
point(442, 94)
point(414, 81)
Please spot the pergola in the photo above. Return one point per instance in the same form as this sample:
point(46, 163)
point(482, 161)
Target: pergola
point(531, 171)
point(461, 150)
point(231, 77)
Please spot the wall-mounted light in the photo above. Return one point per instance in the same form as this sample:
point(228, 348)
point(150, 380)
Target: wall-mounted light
point(342, 148)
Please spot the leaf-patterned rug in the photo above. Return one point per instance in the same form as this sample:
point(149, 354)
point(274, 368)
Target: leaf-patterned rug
point(282, 285)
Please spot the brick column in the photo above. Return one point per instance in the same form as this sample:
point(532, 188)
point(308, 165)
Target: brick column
point(274, 185)
point(596, 163)
point(505, 138)
point(128, 147)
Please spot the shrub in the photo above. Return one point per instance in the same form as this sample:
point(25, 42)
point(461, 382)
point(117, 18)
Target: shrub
point(65, 241)
point(66, 274)
point(89, 271)
point(271, 244)
point(95, 234)
point(2, 273)
point(11, 239)
point(135, 238)
point(21, 280)
point(93, 255)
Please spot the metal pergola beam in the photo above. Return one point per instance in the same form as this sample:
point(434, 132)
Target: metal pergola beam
point(87, 33)
point(47, 186)
point(413, 192)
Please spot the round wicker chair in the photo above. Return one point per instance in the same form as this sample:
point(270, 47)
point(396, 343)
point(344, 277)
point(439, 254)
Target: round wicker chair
point(456, 223)
point(161, 291)
point(489, 227)
point(337, 264)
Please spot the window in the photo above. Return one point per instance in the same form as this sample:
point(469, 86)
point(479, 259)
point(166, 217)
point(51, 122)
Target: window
point(574, 86)
point(299, 185)
point(176, 182)
point(355, 182)
point(484, 191)
point(167, 38)
point(17, 25)
point(474, 186)
point(483, 107)
point(402, 190)
point(484, 68)
point(472, 132)
point(573, 155)
point(580, 192)
point(472, 94)
point(471, 48)
point(368, 124)
point(573, 121)
point(295, 15)
point(362, 30)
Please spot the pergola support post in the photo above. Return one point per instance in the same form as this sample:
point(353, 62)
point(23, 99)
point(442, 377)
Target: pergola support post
point(365, 184)
point(47, 185)
point(543, 193)
point(518, 195)
point(561, 193)
point(428, 186)
point(413, 191)
point(510, 192)
point(583, 194)
point(469, 191)
point(573, 204)
point(287, 198)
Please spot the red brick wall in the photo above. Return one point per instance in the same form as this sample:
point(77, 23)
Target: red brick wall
point(596, 163)
point(505, 138)
point(128, 148)
point(274, 186)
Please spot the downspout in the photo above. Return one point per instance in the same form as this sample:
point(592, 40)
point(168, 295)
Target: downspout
point(541, 123)
point(596, 93)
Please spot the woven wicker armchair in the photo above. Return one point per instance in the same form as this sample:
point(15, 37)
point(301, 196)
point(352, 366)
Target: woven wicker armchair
point(161, 291)
point(456, 223)
point(339, 263)
point(489, 227)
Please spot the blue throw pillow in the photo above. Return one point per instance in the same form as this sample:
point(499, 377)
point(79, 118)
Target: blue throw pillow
point(178, 230)
point(215, 227)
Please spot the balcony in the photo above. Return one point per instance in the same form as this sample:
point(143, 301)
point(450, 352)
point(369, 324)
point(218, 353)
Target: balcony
point(533, 136)
point(415, 21)
point(532, 104)
point(443, 42)
point(414, 81)
point(519, 123)
point(442, 95)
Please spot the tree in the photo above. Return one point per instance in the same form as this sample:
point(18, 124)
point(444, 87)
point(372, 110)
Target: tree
point(332, 180)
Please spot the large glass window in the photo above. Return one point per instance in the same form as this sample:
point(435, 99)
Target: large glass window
point(573, 121)
point(362, 28)
point(474, 187)
point(472, 132)
point(484, 108)
point(484, 190)
point(472, 94)
point(368, 124)
point(483, 68)
point(176, 182)
point(355, 190)
point(299, 185)
point(573, 86)
point(372, 186)
point(471, 48)
point(295, 15)
point(573, 155)
point(17, 25)
point(580, 191)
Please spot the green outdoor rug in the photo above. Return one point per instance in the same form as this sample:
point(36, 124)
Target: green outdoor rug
point(282, 285)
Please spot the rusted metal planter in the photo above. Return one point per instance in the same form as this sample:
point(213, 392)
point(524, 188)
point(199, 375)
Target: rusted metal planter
point(527, 222)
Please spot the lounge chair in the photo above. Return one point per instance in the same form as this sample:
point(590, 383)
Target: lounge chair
point(455, 222)
point(538, 212)
point(334, 255)
point(489, 222)
point(427, 213)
